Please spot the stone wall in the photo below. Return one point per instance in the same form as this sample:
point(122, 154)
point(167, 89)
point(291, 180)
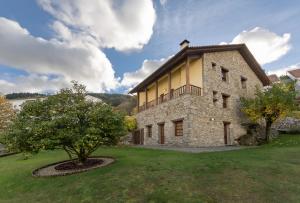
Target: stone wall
point(202, 120)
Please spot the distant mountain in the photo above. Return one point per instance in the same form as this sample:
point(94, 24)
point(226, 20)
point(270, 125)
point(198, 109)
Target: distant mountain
point(121, 102)
point(23, 95)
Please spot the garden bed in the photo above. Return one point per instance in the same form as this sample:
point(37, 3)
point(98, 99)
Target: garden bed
point(71, 167)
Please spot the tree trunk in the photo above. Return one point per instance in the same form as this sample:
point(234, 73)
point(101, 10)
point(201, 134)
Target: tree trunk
point(268, 128)
point(82, 157)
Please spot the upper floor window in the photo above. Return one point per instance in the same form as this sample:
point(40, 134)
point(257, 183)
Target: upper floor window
point(224, 74)
point(149, 130)
point(178, 128)
point(225, 98)
point(244, 82)
point(215, 99)
point(213, 65)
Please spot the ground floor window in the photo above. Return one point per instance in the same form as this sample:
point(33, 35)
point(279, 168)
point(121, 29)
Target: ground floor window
point(178, 128)
point(149, 130)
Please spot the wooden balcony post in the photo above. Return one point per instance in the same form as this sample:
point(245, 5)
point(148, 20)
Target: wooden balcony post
point(146, 95)
point(169, 85)
point(138, 101)
point(187, 73)
point(156, 92)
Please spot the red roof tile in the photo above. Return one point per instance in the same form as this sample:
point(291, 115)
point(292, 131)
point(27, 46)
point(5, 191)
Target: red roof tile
point(295, 73)
point(273, 78)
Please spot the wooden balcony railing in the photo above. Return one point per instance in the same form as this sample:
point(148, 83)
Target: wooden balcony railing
point(193, 90)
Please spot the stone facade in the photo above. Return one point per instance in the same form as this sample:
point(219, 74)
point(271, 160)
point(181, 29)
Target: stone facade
point(203, 120)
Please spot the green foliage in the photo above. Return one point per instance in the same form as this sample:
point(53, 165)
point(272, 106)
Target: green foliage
point(130, 123)
point(270, 104)
point(66, 121)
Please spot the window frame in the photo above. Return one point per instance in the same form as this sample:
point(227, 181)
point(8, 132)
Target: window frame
point(149, 130)
point(244, 82)
point(225, 102)
point(213, 65)
point(224, 74)
point(176, 128)
point(215, 99)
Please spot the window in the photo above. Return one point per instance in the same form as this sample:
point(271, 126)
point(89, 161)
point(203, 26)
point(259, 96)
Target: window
point(215, 99)
point(149, 130)
point(213, 65)
point(178, 128)
point(224, 74)
point(225, 100)
point(244, 82)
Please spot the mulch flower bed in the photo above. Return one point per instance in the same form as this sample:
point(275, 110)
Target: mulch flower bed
point(71, 167)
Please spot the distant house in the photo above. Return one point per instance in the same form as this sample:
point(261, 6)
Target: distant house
point(17, 104)
point(273, 78)
point(295, 75)
point(194, 98)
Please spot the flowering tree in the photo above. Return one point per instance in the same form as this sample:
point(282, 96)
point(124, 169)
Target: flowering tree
point(6, 113)
point(66, 121)
point(270, 104)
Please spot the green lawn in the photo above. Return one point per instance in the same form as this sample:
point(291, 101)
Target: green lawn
point(269, 173)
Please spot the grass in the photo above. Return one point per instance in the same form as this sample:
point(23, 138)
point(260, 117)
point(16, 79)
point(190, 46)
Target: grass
point(270, 173)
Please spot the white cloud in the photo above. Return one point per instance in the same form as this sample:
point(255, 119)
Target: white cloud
point(33, 83)
point(123, 25)
point(82, 62)
point(130, 79)
point(74, 53)
point(283, 71)
point(265, 45)
point(163, 2)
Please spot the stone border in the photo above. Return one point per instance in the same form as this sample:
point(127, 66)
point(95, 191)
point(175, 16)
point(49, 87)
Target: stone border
point(8, 154)
point(50, 171)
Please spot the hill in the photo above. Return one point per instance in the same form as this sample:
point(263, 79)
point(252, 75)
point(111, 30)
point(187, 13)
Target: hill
point(121, 102)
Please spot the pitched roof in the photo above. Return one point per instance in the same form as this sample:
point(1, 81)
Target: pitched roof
point(295, 73)
point(198, 50)
point(273, 78)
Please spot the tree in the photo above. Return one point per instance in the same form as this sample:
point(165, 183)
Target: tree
point(130, 123)
point(6, 113)
point(270, 104)
point(66, 121)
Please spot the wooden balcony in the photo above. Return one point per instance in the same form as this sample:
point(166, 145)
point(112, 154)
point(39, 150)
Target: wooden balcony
point(192, 90)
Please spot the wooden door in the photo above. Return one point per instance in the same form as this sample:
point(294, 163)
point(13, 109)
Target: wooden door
point(161, 133)
point(226, 132)
point(142, 136)
point(138, 136)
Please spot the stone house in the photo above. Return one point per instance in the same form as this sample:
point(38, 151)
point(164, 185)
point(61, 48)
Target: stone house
point(193, 98)
point(295, 75)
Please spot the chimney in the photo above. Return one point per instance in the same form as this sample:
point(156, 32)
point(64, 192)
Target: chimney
point(184, 43)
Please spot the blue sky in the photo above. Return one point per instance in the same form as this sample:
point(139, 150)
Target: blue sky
point(112, 51)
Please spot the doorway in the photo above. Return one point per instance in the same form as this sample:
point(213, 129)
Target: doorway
point(226, 132)
point(161, 133)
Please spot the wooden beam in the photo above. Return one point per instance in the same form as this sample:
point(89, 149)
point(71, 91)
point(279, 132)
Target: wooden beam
point(138, 101)
point(187, 73)
point(169, 85)
point(146, 95)
point(156, 92)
